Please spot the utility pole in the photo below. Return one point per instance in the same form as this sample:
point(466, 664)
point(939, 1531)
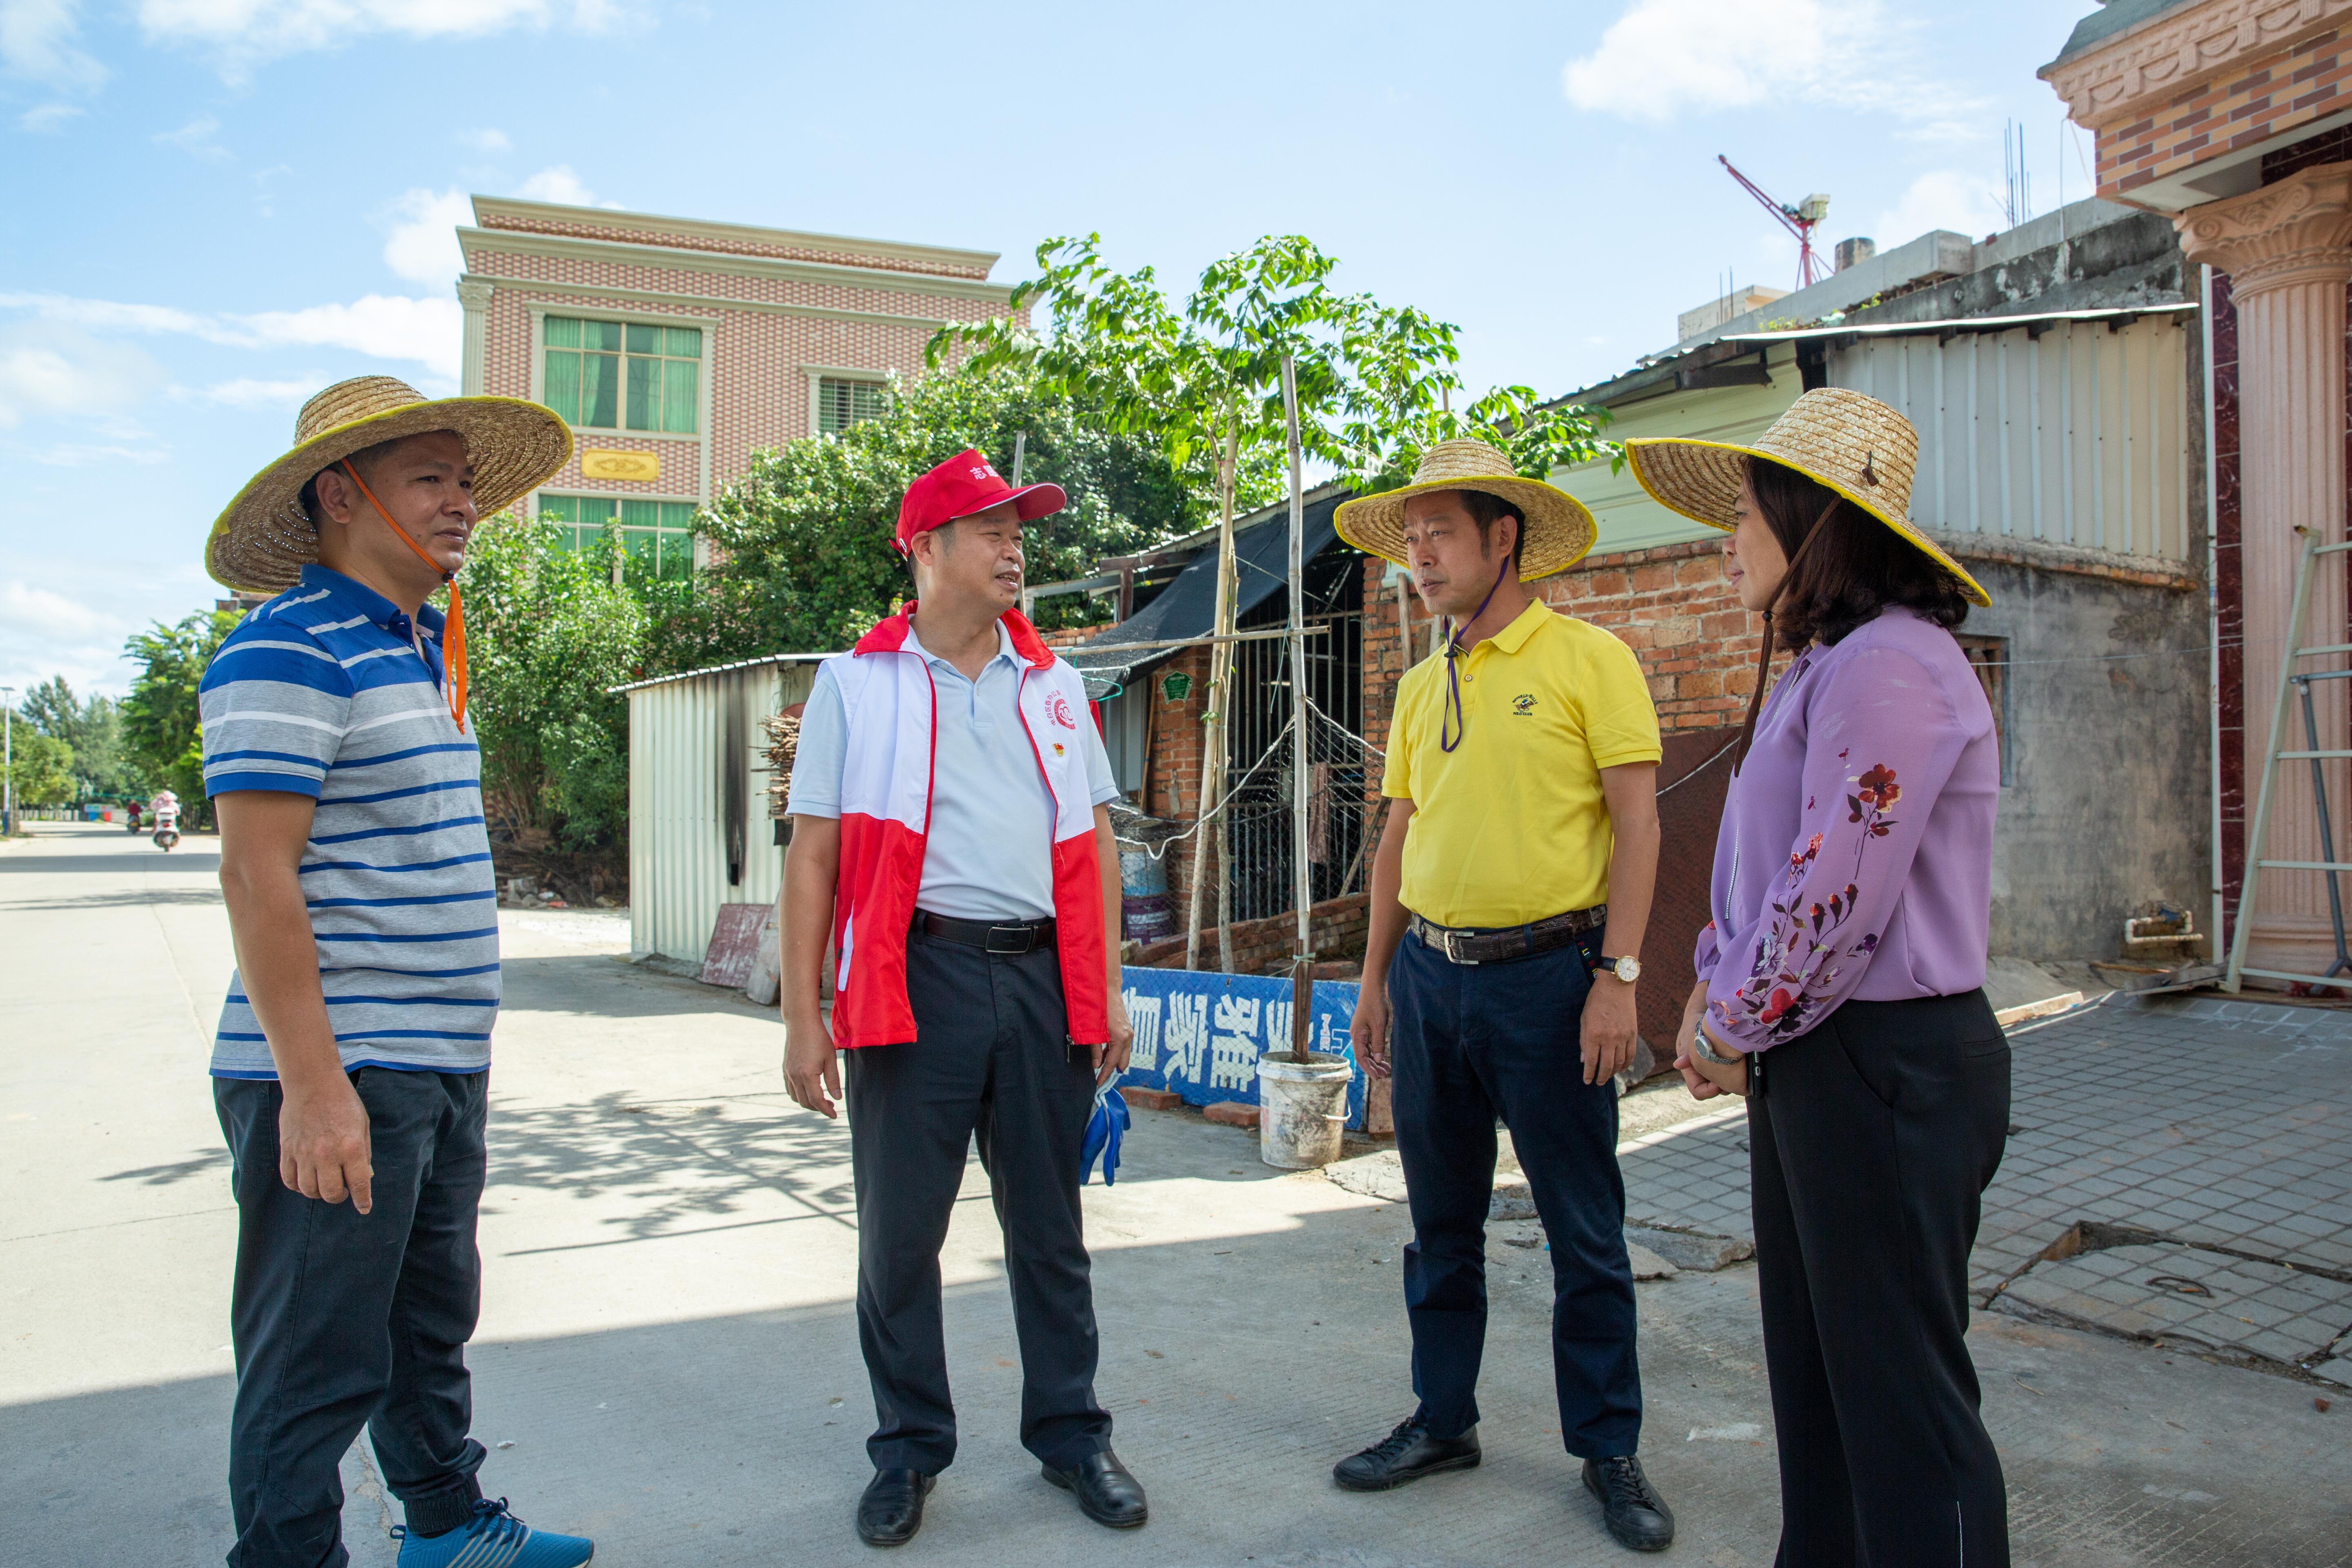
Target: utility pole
point(7, 761)
point(1302, 875)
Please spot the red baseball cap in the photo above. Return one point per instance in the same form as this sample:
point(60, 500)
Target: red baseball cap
point(964, 485)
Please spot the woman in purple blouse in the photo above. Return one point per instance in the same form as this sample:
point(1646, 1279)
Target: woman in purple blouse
point(1841, 981)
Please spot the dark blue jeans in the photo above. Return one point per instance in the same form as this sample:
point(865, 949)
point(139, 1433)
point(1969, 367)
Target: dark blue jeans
point(342, 1320)
point(1472, 1042)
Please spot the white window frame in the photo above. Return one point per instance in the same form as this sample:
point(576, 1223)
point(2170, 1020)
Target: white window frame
point(820, 373)
point(700, 439)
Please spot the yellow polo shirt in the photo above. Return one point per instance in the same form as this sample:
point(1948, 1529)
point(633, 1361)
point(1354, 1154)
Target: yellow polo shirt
point(1511, 825)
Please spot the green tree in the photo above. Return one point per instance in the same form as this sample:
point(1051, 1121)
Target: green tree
point(806, 534)
point(548, 633)
point(163, 729)
point(93, 728)
point(40, 766)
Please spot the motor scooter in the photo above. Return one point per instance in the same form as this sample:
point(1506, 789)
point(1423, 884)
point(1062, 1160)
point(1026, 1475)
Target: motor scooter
point(166, 838)
point(133, 824)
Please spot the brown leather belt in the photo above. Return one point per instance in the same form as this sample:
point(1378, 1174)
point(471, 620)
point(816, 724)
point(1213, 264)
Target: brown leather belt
point(1000, 939)
point(1472, 945)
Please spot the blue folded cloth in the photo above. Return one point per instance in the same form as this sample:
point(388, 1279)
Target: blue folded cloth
point(1105, 1127)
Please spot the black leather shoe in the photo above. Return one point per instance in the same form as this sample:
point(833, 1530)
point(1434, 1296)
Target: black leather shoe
point(1405, 1455)
point(1106, 1492)
point(892, 1509)
point(1637, 1517)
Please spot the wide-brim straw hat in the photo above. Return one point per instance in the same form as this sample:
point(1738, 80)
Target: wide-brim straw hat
point(1854, 444)
point(1556, 531)
point(263, 540)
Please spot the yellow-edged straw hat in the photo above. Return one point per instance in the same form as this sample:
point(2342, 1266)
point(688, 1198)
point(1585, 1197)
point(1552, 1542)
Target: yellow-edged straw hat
point(265, 538)
point(1855, 444)
point(1557, 531)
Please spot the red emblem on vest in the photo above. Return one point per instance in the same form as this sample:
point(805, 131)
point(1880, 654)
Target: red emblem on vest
point(1059, 707)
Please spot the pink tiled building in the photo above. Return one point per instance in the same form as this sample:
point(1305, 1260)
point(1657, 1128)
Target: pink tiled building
point(676, 348)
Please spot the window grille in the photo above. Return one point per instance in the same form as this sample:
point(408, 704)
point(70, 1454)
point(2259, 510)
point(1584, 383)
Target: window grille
point(616, 376)
point(842, 403)
point(1989, 657)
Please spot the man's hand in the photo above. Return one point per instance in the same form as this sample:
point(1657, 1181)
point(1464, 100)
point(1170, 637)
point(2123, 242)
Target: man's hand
point(1368, 1031)
point(324, 1150)
point(811, 1071)
point(1609, 1028)
point(1112, 1058)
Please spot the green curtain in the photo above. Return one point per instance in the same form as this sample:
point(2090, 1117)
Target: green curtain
point(562, 389)
point(645, 393)
point(680, 379)
point(600, 390)
point(563, 331)
point(604, 336)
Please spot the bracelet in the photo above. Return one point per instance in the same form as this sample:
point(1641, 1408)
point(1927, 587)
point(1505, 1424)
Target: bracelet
point(1706, 1048)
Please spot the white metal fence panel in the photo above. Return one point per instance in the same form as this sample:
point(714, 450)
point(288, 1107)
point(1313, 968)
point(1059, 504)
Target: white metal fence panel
point(2069, 433)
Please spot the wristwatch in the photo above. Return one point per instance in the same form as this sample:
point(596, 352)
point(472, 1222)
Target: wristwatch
point(1628, 970)
point(1706, 1048)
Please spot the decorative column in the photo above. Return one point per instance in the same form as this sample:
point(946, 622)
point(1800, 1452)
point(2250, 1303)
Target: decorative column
point(474, 294)
point(2287, 248)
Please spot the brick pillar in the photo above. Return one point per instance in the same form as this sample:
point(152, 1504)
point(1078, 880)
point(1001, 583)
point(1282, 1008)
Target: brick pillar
point(2287, 248)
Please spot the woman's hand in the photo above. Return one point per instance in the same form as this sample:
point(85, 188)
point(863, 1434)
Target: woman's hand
point(1703, 1078)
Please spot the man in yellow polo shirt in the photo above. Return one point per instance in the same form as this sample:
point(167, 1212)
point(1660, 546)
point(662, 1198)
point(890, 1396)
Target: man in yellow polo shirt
point(1508, 900)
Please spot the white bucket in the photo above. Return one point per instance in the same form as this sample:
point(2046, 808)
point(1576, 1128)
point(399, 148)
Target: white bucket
point(1302, 1106)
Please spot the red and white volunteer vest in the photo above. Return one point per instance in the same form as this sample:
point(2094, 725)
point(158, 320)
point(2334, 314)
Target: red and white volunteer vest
point(886, 693)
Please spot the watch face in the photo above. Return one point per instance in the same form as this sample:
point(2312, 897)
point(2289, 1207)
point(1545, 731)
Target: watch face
point(1628, 970)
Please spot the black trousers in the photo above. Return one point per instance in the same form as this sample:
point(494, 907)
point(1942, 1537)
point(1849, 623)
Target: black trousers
point(1471, 1042)
point(341, 1320)
point(1871, 1142)
point(990, 1058)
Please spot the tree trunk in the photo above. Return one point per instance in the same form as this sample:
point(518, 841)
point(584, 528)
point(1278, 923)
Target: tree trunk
point(1215, 744)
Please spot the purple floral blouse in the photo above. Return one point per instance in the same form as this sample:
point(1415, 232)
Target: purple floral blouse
point(1856, 855)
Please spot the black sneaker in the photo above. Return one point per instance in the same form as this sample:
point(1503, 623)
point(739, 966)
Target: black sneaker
point(1405, 1455)
point(1637, 1517)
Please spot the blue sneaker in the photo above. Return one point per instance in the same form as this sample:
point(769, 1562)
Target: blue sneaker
point(493, 1537)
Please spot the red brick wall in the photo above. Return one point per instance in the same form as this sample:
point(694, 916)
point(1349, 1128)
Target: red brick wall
point(1335, 926)
point(2247, 103)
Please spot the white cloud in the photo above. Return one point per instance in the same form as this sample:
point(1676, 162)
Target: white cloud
point(48, 368)
point(384, 326)
point(244, 33)
point(36, 44)
point(71, 454)
point(49, 614)
point(1663, 57)
point(424, 243)
point(195, 139)
point(558, 183)
point(1942, 198)
point(48, 118)
point(246, 393)
point(488, 139)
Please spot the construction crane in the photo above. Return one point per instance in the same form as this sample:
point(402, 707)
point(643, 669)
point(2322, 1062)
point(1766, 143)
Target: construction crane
point(1800, 220)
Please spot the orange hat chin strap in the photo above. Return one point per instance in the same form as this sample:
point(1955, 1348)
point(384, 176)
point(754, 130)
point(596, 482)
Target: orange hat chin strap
point(453, 626)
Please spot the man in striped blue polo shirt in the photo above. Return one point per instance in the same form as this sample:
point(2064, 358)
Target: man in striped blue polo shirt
point(352, 1063)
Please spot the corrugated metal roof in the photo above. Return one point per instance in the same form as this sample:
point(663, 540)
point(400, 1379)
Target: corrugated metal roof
point(1956, 325)
point(719, 670)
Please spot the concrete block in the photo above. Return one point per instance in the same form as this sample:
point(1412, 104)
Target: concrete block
point(1686, 1249)
point(1648, 1265)
point(1151, 1099)
point(1232, 1113)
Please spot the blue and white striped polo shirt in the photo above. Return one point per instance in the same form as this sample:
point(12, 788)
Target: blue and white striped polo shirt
point(321, 692)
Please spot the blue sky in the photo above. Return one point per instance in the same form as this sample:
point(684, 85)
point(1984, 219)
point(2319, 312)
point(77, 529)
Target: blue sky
point(209, 208)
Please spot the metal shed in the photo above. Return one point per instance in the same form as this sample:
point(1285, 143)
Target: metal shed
point(699, 830)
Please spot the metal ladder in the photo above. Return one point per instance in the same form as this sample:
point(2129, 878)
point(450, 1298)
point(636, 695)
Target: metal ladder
point(2292, 681)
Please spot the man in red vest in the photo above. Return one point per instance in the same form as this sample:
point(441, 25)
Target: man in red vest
point(950, 836)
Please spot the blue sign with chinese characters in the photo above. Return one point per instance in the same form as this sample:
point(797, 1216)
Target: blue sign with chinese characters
point(1199, 1033)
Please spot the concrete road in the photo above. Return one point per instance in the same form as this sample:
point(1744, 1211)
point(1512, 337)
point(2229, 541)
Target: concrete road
point(668, 1358)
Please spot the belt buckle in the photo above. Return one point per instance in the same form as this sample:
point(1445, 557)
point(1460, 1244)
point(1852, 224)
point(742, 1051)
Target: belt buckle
point(1451, 955)
point(1026, 937)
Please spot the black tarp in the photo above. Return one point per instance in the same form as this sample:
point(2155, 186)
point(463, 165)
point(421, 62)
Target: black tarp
point(1185, 607)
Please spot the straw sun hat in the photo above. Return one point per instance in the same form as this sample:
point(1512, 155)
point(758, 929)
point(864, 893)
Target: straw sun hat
point(1557, 530)
point(1855, 444)
point(265, 539)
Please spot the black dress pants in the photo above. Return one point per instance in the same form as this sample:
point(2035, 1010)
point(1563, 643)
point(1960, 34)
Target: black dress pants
point(341, 1320)
point(1472, 1042)
point(990, 1058)
point(1870, 1141)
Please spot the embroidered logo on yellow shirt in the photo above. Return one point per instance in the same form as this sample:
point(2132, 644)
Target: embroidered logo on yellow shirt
point(1523, 704)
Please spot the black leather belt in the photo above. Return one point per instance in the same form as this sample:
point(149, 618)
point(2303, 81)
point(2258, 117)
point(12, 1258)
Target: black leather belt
point(1002, 939)
point(1471, 945)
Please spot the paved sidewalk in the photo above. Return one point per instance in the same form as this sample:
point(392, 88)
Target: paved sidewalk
point(2218, 1132)
point(668, 1360)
